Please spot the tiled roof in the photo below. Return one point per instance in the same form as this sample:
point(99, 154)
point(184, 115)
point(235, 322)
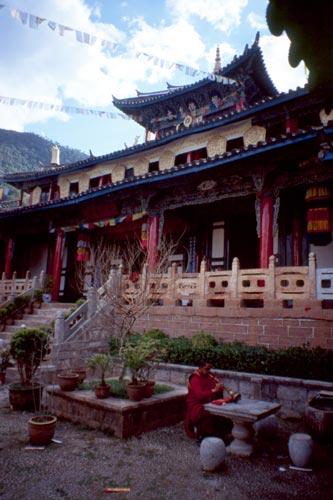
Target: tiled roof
point(227, 117)
point(185, 169)
point(144, 99)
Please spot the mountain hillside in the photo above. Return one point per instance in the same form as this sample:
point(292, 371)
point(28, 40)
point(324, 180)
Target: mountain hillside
point(24, 151)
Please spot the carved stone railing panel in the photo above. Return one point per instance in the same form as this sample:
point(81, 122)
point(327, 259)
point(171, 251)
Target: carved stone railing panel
point(253, 284)
point(218, 284)
point(325, 284)
point(292, 283)
point(10, 288)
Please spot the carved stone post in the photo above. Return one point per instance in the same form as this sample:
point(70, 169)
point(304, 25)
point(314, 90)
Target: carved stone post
point(234, 278)
point(59, 327)
point(202, 279)
point(92, 298)
point(312, 276)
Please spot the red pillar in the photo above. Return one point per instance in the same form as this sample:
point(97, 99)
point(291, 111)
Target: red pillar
point(266, 229)
point(153, 242)
point(57, 262)
point(296, 242)
point(9, 256)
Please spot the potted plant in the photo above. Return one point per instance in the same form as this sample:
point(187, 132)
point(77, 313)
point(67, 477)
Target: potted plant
point(22, 305)
point(47, 288)
point(4, 364)
point(142, 359)
point(135, 359)
point(102, 363)
point(68, 381)
point(37, 298)
point(3, 317)
point(10, 313)
point(28, 347)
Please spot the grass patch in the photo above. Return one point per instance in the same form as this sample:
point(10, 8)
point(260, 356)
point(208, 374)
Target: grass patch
point(118, 389)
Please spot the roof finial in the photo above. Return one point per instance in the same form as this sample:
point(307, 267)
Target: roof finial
point(217, 66)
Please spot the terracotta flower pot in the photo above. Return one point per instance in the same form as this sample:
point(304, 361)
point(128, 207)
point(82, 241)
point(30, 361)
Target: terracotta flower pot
point(82, 375)
point(149, 388)
point(68, 381)
point(136, 392)
point(25, 397)
point(41, 429)
point(102, 391)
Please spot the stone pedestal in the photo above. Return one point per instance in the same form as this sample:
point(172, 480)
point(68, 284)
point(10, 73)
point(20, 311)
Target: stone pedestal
point(243, 414)
point(242, 444)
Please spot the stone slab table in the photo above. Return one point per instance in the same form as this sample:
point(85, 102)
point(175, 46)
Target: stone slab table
point(243, 414)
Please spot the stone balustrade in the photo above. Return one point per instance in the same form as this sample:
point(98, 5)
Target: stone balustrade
point(244, 285)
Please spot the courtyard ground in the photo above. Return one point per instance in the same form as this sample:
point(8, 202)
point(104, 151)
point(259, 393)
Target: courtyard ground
point(159, 465)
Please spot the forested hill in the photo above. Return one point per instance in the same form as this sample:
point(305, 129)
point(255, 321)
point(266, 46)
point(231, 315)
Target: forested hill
point(24, 151)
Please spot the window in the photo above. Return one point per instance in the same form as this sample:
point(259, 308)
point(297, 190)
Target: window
point(235, 143)
point(153, 166)
point(55, 193)
point(105, 180)
point(181, 159)
point(44, 195)
point(100, 181)
point(94, 182)
point(129, 173)
point(73, 188)
point(197, 154)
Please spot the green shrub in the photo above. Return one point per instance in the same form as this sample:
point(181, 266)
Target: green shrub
point(297, 362)
point(203, 340)
point(155, 333)
point(29, 346)
point(114, 345)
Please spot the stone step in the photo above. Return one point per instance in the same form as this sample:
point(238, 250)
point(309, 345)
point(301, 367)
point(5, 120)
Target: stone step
point(40, 317)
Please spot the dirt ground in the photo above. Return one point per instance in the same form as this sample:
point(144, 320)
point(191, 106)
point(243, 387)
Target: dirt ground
point(159, 465)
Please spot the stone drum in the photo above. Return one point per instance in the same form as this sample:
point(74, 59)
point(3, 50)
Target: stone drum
point(300, 448)
point(212, 453)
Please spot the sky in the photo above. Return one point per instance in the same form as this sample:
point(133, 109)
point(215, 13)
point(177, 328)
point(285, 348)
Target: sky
point(78, 54)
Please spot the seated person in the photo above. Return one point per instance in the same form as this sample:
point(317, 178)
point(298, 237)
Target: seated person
point(204, 387)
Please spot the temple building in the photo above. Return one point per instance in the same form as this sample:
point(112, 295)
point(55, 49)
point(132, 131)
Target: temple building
point(230, 168)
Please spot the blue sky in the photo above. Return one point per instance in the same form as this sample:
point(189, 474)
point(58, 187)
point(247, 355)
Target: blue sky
point(40, 64)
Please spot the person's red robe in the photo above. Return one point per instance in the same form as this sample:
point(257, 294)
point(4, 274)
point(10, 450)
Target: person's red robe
point(199, 393)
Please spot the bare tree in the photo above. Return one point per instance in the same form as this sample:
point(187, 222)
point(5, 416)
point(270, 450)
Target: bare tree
point(126, 286)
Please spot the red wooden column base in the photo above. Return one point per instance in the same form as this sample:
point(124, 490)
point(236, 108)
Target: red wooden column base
point(57, 262)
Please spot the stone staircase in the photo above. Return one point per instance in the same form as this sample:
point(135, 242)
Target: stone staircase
point(40, 317)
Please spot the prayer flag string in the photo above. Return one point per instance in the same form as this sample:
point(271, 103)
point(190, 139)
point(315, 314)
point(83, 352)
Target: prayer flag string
point(33, 22)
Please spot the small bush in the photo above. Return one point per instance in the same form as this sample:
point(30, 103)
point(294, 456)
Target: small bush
point(203, 340)
point(297, 362)
point(155, 333)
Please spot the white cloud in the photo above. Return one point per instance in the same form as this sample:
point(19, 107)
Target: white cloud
point(257, 22)
point(40, 65)
point(223, 15)
point(275, 51)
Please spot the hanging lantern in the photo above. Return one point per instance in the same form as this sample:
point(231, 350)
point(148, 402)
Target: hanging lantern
point(83, 248)
point(317, 193)
point(144, 236)
point(319, 226)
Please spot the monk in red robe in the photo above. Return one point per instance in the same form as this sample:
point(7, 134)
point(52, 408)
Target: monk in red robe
point(204, 387)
